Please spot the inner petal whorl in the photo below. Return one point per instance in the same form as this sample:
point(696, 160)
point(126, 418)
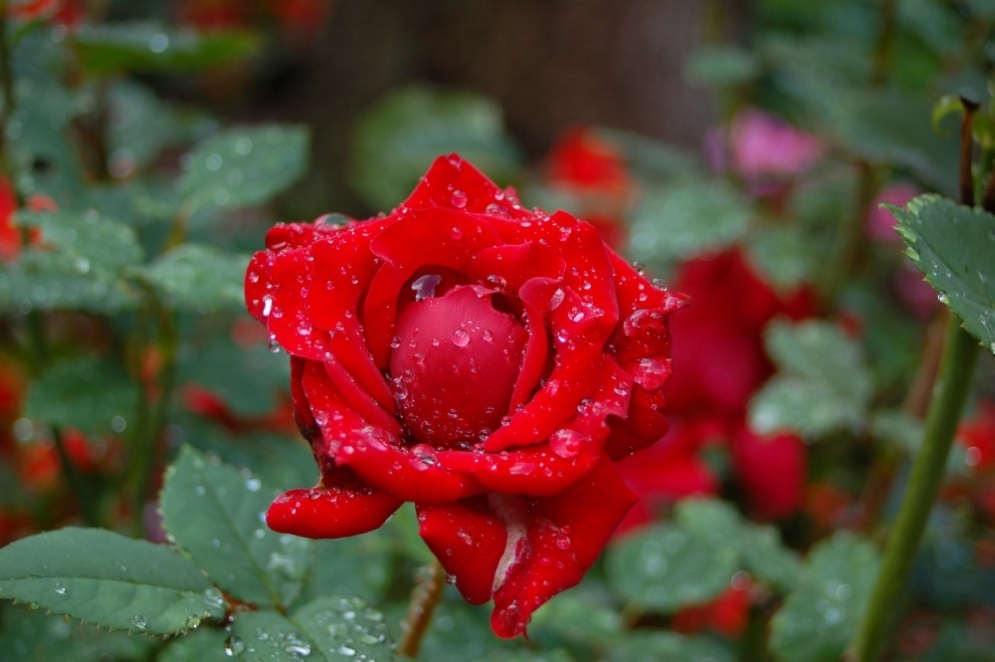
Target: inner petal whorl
point(454, 366)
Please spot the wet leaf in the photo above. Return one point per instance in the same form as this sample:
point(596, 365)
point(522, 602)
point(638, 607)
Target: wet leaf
point(119, 583)
point(823, 383)
point(656, 646)
point(244, 167)
point(88, 394)
point(203, 645)
point(34, 636)
point(198, 278)
point(818, 619)
point(953, 246)
point(330, 628)
point(216, 514)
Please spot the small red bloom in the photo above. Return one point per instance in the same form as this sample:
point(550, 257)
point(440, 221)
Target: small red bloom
point(486, 362)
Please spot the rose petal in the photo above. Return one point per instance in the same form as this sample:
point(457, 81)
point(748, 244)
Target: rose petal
point(452, 183)
point(330, 512)
point(469, 541)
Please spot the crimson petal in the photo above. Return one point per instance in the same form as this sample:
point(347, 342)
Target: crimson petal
point(330, 512)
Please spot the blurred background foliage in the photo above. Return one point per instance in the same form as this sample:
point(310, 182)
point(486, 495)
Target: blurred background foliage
point(739, 150)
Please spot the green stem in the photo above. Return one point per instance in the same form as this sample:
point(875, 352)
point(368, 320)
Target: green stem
point(883, 43)
point(76, 481)
point(949, 395)
point(424, 599)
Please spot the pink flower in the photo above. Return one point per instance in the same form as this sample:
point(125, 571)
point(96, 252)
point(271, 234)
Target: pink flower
point(880, 221)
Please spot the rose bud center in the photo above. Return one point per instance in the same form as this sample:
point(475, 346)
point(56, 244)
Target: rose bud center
point(454, 365)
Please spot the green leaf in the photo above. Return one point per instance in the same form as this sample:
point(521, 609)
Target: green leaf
point(721, 66)
point(823, 382)
point(686, 219)
point(198, 278)
point(111, 48)
point(399, 137)
point(785, 256)
point(817, 620)
point(203, 645)
point(666, 567)
point(49, 280)
point(244, 167)
point(330, 628)
point(655, 646)
point(216, 514)
point(34, 636)
point(953, 246)
point(89, 239)
point(86, 393)
point(107, 579)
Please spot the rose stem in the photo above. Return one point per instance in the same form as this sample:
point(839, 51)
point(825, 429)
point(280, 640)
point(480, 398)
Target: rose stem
point(950, 393)
point(424, 598)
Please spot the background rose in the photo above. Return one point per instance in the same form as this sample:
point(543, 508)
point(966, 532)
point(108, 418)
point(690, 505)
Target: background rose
point(487, 362)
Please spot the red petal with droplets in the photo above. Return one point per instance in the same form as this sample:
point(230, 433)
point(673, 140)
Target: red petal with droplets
point(330, 512)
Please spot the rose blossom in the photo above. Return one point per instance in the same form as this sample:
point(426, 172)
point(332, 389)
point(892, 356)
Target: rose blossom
point(486, 362)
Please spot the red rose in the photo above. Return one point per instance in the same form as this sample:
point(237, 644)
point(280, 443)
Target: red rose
point(486, 362)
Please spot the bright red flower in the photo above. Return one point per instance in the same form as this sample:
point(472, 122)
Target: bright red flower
point(728, 614)
point(486, 362)
point(68, 13)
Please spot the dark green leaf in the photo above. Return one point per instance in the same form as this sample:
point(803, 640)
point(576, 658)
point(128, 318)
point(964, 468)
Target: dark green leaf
point(244, 167)
point(785, 256)
point(197, 278)
point(203, 645)
point(110, 580)
point(953, 246)
point(329, 629)
point(140, 126)
point(818, 619)
point(34, 636)
point(147, 47)
point(216, 514)
point(87, 394)
point(48, 280)
point(397, 140)
point(92, 241)
point(823, 382)
point(688, 218)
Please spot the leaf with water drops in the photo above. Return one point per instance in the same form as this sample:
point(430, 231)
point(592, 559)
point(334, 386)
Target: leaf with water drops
point(32, 635)
point(216, 514)
point(88, 394)
point(93, 240)
point(818, 619)
point(107, 579)
point(786, 257)
point(332, 629)
point(823, 383)
point(953, 246)
point(687, 218)
point(198, 278)
point(117, 47)
point(244, 167)
point(405, 131)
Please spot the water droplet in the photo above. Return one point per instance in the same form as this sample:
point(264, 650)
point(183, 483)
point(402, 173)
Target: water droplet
point(456, 233)
point(497, 282)
point(234, 646)
point(243, 145)
point(424, 286)
point(567, 443)
point(139, 622)
point(60, 588)
point(651, 373)
point(267, 305)
point(557, 298)
point(274, 346)
point(158, 43)
point(425, 454)
point(214, 162)
point(461, 338)
point(253, 484)
point(192, 622)
point(458, 199)
point(345, 650)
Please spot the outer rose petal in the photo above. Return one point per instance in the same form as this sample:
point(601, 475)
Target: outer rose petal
point(330, 512)
point(452, 183)
point(772, 472)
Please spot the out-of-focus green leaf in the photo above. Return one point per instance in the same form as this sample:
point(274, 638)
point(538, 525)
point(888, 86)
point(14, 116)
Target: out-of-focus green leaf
point(688, 218)
point(398, 138)
point(823, 383)
point(785, 256)
point(34, 636)
point(46, 280)
point(112, 48)
point(953, 246)
point(139, 126)
point(91, 240)
point(88, 394)
point(244, 167)
point(203, 645)
point(197, 278)
point(329, 629)
point(818, 619)
point(110, 580)
point(651, 160)
point(216, 514)
point(655, 646)
point(721, 66)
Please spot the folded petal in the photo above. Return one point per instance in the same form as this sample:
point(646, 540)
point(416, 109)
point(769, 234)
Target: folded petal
point(330, 512)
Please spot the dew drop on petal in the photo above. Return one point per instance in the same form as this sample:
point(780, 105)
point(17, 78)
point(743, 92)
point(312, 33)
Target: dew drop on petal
point(461, 338)
point(424, 286)
point(458, 199)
